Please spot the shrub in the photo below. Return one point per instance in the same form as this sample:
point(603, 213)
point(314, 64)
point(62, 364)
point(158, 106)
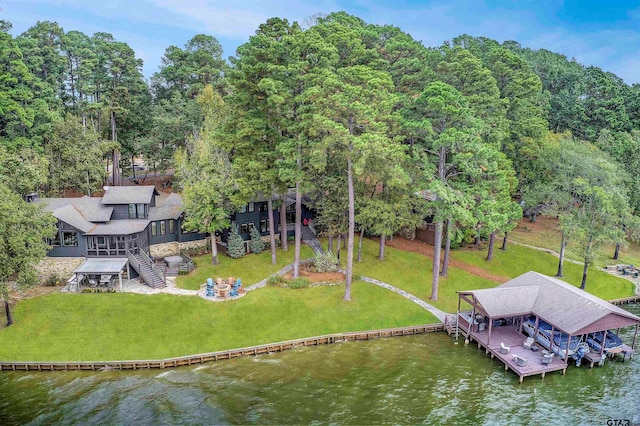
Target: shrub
point(52, 281)
point(257, 245)
point(325, 262)
point(299, 282)
point(235, 244)
point(275, 280)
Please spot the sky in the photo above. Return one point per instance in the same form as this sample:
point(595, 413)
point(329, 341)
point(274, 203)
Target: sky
point(605, 34)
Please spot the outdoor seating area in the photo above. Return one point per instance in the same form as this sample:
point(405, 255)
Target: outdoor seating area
point(222, 289)
point(629, 270)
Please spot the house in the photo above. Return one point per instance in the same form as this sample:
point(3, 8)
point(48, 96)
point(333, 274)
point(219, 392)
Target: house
point(125, 219)
point(256, 214)
point(117, 231)
point(134, 223)
point(559, 316)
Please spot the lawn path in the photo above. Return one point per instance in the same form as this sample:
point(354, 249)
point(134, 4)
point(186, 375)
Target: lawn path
point(435, 311)
point(554, 253)
point(426, 249)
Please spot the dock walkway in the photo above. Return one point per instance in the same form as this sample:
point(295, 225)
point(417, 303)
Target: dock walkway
point(512, 338)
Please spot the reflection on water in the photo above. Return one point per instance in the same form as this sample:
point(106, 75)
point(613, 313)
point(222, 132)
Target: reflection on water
point(416, 379)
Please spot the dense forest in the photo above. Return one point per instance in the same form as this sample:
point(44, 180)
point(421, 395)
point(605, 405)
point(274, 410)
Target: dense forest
point(378, 130)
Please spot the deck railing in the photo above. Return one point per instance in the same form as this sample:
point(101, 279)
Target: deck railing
point(152, 265)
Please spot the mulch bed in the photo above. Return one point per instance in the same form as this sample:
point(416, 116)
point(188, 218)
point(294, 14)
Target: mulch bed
point(426, 249)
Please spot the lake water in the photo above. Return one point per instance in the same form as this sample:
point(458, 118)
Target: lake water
point(424, 379)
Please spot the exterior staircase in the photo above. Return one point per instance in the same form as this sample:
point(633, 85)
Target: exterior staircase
point(310, 239)
point(147, 269)
point(451, 324)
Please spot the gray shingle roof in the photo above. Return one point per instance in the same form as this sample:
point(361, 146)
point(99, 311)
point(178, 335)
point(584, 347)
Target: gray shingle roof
point(499, 301)
point(102, 266)
point(119, 227)
point(129, 194)
point(557, 302)
point(78, 212)
point(171, 208)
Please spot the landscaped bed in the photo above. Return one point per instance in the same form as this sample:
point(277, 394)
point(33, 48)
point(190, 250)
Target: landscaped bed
point(251, 268)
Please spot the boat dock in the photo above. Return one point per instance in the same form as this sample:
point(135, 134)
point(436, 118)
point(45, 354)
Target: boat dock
point(510, 337)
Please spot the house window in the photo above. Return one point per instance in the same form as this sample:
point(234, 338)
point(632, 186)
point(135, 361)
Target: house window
point(243, 209)
point(55, 242)
point(137, 211)
point(69, 239)
point(172, 226)
point(163, 227)
point(262, 207)
point(252, 207)
point(245, 228)
point(291, 207)
point(264, 225)
point(154, 228)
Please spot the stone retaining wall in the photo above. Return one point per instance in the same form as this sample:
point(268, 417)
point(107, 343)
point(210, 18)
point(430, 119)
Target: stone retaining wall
point(173, 248)
point(62, 267)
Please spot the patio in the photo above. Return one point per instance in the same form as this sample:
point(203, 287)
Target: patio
point(512, 338)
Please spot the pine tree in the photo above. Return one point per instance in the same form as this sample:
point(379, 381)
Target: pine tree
point(235, 244)
point(257, 245)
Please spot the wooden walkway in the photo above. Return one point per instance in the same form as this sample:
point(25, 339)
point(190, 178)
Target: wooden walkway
point(514, 339)
point(221, 355)
point(625, 300)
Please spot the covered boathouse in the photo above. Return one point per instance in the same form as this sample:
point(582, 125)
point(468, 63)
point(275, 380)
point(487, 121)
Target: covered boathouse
point(541, 306)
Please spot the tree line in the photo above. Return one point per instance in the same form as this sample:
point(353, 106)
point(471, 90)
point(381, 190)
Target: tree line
point(378, 131)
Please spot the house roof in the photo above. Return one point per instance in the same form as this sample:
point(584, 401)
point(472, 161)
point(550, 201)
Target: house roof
point(561, 304)
point(171, 208)
point(102, 266)
point(81, 213)
point(119, 227)
point(129, 194)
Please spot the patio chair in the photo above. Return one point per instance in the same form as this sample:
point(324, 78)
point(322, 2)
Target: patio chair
point(528, 342)
point(233, 293)
point(547, 358)
point(504, 349)
point(520, 361)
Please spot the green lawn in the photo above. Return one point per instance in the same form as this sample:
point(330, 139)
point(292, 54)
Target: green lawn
point(517, 260)
point(412, 272)
point(79, 327)
point(92, 327)
point(251, 268)
point(549, 238)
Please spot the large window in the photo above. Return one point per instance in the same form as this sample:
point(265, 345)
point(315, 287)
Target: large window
point(245, 228)
point(137, 211)
point(264, 225)
point(69, 239)
point(163, 227)
point(172, 226)
point(252, 207)
point(154, 228)
point(112, 245)
point(263, 207)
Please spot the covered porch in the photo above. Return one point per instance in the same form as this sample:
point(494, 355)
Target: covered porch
point(100, 273)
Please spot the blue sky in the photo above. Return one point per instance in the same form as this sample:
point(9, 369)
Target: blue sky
point(605, 34)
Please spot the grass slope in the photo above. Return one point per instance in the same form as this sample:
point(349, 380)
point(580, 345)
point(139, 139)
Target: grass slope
point(412, 272)
point(92, 327)
point(517, 260)
point(544, 233)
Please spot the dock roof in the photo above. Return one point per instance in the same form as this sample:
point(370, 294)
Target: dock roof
point(565, 306)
